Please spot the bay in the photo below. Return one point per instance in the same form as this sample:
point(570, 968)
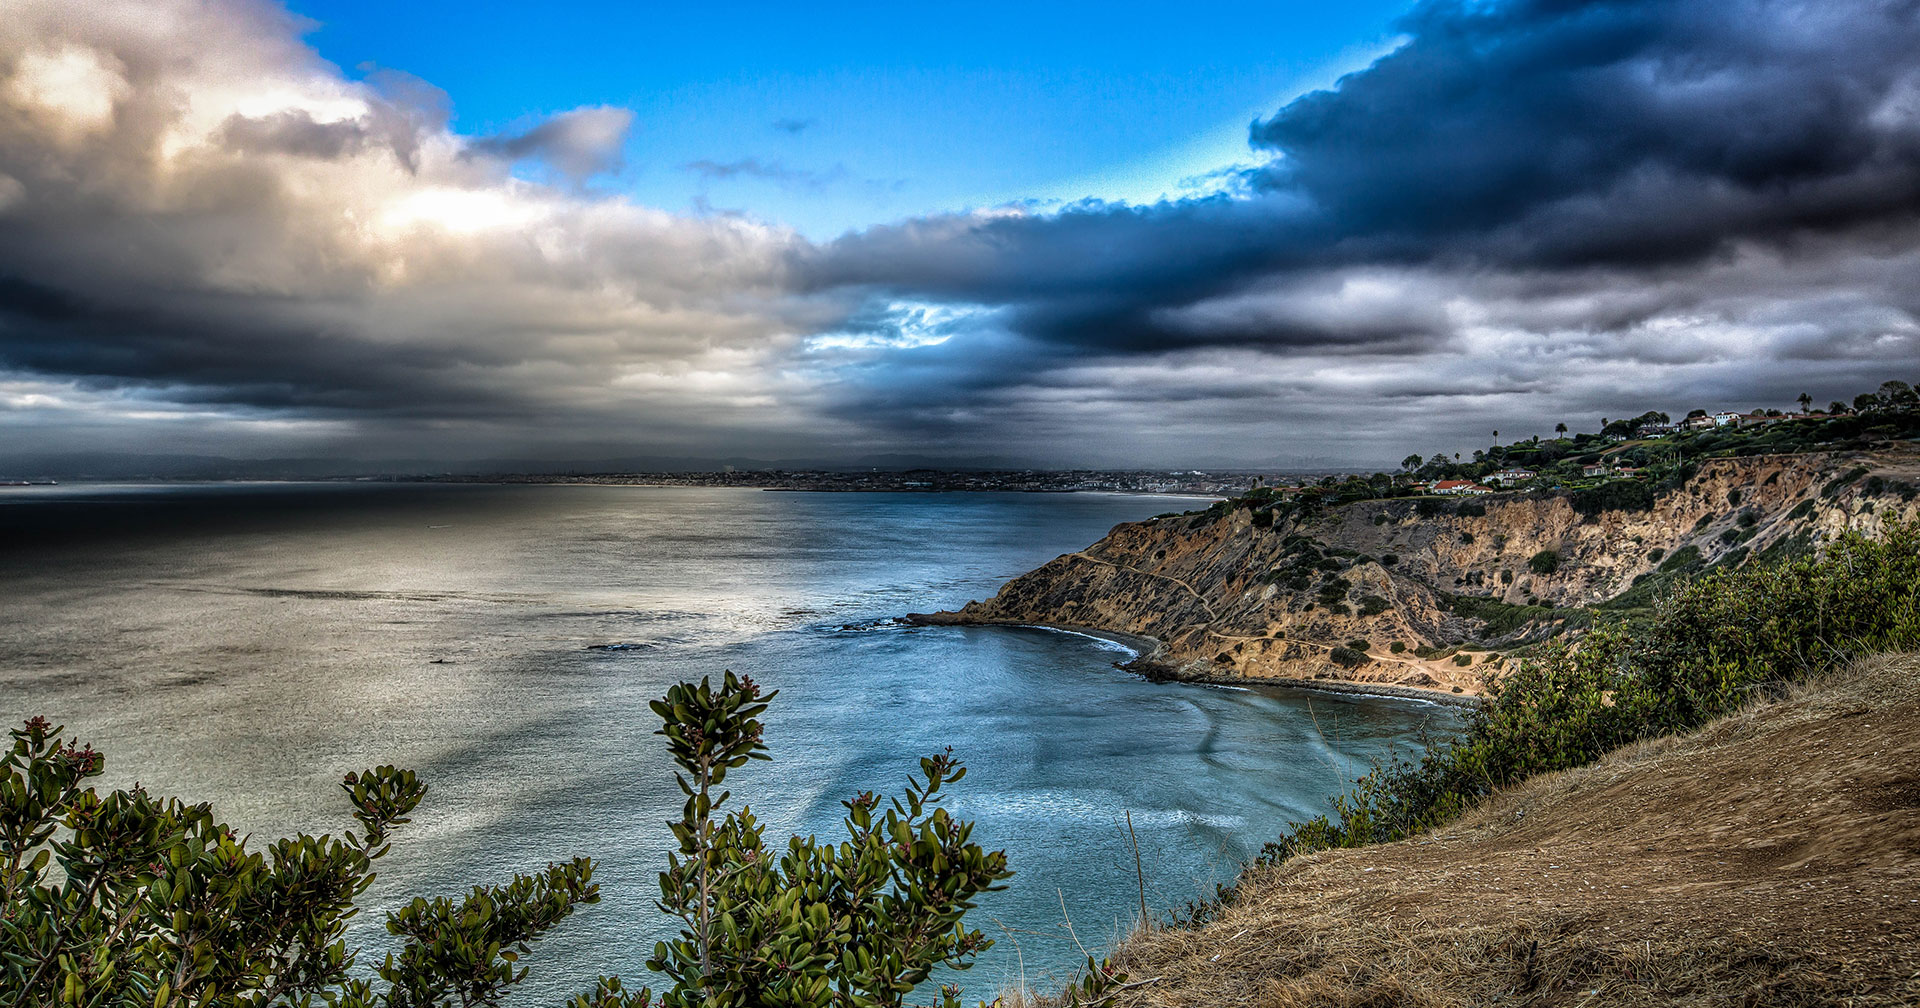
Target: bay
point(247, 644)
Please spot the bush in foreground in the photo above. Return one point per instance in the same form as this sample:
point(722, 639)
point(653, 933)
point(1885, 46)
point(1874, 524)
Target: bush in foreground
point(132, 901)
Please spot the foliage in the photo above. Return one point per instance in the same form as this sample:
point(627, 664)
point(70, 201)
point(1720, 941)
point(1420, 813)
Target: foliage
point(128, 901)
point(1544, 562)
point(1347, 657)
point(856, 924)
point(131, 900)
point(1614, 495)
point(1724, 638)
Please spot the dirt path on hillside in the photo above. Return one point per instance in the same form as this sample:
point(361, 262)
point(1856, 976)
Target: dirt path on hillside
point(1772, 859)
point(1212, 615)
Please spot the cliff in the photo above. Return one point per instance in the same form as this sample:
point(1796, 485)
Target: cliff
point(1425, 593)
point(1773, 858)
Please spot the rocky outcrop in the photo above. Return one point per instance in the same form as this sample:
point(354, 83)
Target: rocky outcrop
point(1424, 592)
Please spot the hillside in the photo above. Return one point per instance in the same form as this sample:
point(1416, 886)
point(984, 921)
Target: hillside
point(1771, 858)
point(1428, 592)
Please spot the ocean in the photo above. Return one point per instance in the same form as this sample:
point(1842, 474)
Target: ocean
point(247, 644)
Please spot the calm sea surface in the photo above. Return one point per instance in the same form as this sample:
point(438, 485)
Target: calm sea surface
point(248, 644)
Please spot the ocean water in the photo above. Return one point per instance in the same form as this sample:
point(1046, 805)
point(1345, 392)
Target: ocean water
point(247, 644)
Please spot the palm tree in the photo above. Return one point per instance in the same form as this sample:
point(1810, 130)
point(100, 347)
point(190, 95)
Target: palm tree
point(1806, 402)
point(1560, 428)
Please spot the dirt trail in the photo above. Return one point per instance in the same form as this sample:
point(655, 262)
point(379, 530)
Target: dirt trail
point(1771, 859)
point(1212, 615)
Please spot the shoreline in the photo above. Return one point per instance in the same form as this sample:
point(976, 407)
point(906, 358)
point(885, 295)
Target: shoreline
point(1147, 663)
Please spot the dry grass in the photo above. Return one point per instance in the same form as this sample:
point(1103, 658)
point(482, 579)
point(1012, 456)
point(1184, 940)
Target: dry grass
point(1772, 858)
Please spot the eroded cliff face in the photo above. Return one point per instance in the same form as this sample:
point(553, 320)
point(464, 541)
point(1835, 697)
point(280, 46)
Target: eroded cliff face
point(1233, 600)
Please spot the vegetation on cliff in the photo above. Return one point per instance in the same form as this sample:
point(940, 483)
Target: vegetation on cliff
point(1722, 640)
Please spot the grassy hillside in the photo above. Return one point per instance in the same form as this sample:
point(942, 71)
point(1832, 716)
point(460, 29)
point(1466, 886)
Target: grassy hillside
point(1772, 858)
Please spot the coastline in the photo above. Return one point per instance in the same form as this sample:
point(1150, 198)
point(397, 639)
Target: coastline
point(1148, 663)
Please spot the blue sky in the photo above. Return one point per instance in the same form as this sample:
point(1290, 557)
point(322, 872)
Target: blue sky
point(890, 110)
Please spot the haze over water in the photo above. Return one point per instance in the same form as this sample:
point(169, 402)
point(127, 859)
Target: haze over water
point(248, 644)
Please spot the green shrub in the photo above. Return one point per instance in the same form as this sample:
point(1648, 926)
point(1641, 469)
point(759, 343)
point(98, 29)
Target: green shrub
point(1654, 554)
point(1463, 659)
point(1685, 556)
point(128, 899)
point(1544, 562)
point(1359, 645)
point(1396, 647)
point(860, 922)
point(1613, 495)
point(1466, 538)
point(1347, 657)
point(1388, 560)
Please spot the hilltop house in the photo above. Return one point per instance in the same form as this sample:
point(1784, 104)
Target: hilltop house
point(1460, 487)
point(1507, 476)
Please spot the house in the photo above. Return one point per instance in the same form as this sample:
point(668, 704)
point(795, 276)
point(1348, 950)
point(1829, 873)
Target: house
point(1655, 429)
point(1701, 422)
point(1506, 476)
point(1726, 419)
point(1457, 487)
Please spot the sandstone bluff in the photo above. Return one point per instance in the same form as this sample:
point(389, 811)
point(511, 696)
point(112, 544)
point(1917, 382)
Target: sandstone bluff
point(1440, 592)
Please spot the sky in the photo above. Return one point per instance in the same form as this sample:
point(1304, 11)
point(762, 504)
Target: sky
point(1047, 234)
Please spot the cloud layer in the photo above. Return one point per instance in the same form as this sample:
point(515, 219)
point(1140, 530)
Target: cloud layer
point(1528, 212)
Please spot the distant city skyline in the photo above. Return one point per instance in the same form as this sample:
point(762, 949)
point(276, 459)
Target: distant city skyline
point(1061, 236)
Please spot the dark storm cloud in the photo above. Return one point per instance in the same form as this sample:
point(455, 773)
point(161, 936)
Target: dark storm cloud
point(1533, 135)
point(1596, 187)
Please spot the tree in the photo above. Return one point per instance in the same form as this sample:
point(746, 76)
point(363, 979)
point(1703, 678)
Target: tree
point(128, 901)
point(1411, 462)
point(1806, 402)
point(1560, 428)
point(155, 902)
point(1693, 413)
point(850, 925)
point(1836, 407)
point(1896, 393)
